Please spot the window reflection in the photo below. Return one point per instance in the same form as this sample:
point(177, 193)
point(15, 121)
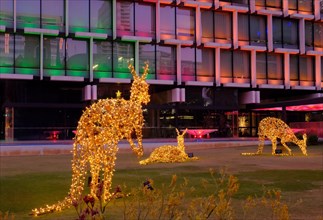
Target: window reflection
point(145, 20)
point(77, 57)
point(54, 54)
point(28, 13)
point(185, 23)
point(277, 32)
point(318, 35)
point(188, 63)
point(123, 53)
point(78, 13)
point(101, 16)
point(243, 27)
point(258, 30)
point(53, 14)
point(6, 13)
point(290, 33)
point(166, 62)
point(167, 22)
point(7, 50)
point(223, 27)
point(275, 66)
point(102, 59)
point(205, 64)
point(261, 65)
point(226, 64)
point(207, 25)
point(241, 66)
point(306, 70)
point(309, 35)
point(294, 68)
point(125, 15)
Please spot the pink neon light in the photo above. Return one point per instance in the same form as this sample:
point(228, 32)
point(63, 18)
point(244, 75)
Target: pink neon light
point(312, 107)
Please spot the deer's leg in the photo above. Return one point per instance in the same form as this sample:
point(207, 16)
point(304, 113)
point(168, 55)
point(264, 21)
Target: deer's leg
point(274, 145)
point(109, 163)
point(261, 145)
point(286, 147)
point(95, 172)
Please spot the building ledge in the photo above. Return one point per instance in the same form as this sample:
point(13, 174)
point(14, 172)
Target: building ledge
point(238, 85)
point(269, 12)
point(235, 8)
point(198, 83)
point(160, 82)
point(16, 76)
point(301, 16)
point(217, 45)
point(314, 53)
point(256, 48)
point(41, 31)
point(270, 86)
point(114, 80)
point(67, 78)
point(91, 35)
point(205, 5)
point(136, 38)
point(286, 50)
point(303, 87)
point(177, 42)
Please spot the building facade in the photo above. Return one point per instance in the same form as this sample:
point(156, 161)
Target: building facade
point(213, 64)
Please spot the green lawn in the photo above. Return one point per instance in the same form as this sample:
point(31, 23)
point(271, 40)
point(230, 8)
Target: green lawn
point(28, 182)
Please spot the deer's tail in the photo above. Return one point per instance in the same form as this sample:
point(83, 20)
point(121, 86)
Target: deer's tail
point(76, 189)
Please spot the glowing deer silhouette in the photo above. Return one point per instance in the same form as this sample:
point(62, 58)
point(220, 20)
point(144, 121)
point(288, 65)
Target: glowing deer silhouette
point(169, 153)
point(99, 130)
point(274, 128)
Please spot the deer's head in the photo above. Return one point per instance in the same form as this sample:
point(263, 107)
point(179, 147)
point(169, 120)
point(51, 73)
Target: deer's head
point(303, 144)
point(180, 138)
point(140, 88)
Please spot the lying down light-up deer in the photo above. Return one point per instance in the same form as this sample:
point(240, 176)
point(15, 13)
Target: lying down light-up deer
point(99, 130)
point(169, 153)
point(274, 128)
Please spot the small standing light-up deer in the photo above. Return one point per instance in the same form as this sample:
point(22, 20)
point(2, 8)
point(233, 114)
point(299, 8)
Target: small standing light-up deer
point(100, 128)
point(169, 153)
point(274, 128)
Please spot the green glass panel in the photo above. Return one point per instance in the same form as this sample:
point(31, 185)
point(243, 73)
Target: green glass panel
point(77, 73)
point(6, 70)
point(151, 76)
point(78, 29)
point(27, 71)
point(99, 74)
point(123, 75)
point(50, 72)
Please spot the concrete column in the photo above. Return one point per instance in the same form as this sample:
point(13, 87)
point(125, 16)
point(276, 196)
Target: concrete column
point(301, 26)
point(217, 62)
point(318, 69)
point(158, 21)
point(253, 69)
point(287, 70)
point(270, 43)
point(235, 29)
point(179, 64)
point(198, 25)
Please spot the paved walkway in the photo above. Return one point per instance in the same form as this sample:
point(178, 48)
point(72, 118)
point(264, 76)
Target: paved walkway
point(15, 148)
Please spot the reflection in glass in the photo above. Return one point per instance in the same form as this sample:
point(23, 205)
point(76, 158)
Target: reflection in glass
point(294, 68)
point(166, 62)
point(188, 63)
point(257, 30)
point(147, 54)
point(275, 66)
point(53, 14)
point(77, 57)
point(305, 6)
point(78, 12)
point(207, 25)
point(123, 53)
point(6, 13)
point(185, 23)
point(306, 70)
point(167, 22)
point(261, 65)
point(277, 32)
point(243, 27)
point(241, 65)
point(205, 64)
point(321, 69)
point(223, 26)
point(102, 59)
point(274, 3)
point(54, 53)
point(101, 19)
point(226, 64)
point(318, 35)
point(309, 34)
point(125, 18)
point(7, 50)
point(290, 38)
point(28, 13)
point(145, 20)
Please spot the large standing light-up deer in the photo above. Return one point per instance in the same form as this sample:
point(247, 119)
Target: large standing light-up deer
point(274, 128)
point(100, 128)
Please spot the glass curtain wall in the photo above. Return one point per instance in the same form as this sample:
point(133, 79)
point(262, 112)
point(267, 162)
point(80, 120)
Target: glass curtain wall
point(123, 53)
point(145, 20)
point(54, 56)
point(167, 22)
point(306, 70)
point(226, 66)
point(6, 13)
point(243, 28)
point(28, 13)
point(166, 62)
point(77, 58)
point(101, 16)
point(188, 64)
point(223, 27)
point(185, 23)
point(205, 64)
point(125, 18)
point(147, 53)
point(207, 26)
point(6, 53)
point(102, 59)
point(241, 66)
point(258, 30)
point(52, 14)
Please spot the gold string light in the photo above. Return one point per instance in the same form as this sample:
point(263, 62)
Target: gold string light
point(274, 128)
point(100, 128)
point(169, 153)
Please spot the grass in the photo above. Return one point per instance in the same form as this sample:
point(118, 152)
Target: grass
point(27, 182)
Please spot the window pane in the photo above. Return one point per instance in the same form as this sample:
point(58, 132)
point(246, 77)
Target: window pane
point(102, 59)
point(147, 54)
point(290, 33)
point(78, 12)
point(294, 67)
point(226, 63)
point(101, 16)
point(292, 5)
point(123, 53)
point(125, 18)
point(54, 53)
point(188, 62)
point(306, 6)
point(277, 32)
point(6, 53)
point(6, 13)
point(28, 13)
point(260, 3)
point(309, 34)
point(185, 23)
point(306, 70)
point(166, 62)
point(322, 69)
point(77, 57)
point(318, 35)
point(243, 27)
point(261, 65)
point(223, 26)
point(53, 14)
point(207, 25)
point(241, 64)
point(145, 20)
point(27, 54)
point(240, 2)
point(258, 30)
point(167, 22)
point(274, 3)
point(205, 63)
point(275, 66)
